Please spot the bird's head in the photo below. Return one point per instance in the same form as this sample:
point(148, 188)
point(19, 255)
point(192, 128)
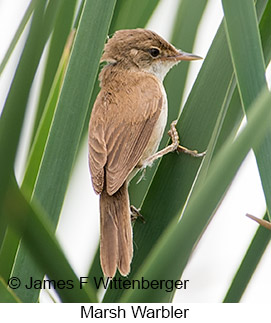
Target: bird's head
point(145, 50)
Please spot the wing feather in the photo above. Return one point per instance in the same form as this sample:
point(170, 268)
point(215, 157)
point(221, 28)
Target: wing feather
point(121, 125)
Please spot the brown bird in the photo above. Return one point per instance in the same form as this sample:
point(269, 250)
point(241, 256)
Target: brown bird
point(126, 125)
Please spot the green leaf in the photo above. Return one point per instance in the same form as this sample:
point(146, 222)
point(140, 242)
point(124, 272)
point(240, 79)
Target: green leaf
point(11, 241)
point(6, 294)
point(38, 237)
point(261, 238)
point(202, 174)
point(265, 27)
point(15, 107)
point(42, 133)
point(232, 121)
point(13, 114)
point(18, 34)
point(8, 253)
point(66, 129)
point(131, 14)
point(235, 112)
point(185, 234)
point(244, 41)
point(57, 42)
point(248, 265)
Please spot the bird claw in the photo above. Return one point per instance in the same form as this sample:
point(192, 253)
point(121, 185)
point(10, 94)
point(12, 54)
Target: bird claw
point(193, 153)
point(175, 140)
point(135, 214)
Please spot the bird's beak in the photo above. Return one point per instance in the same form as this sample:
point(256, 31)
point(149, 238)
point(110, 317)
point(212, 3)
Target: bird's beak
point(182, 56)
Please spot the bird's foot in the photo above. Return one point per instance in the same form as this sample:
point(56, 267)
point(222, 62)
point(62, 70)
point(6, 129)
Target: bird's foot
point(135, 214)
point(173, 133)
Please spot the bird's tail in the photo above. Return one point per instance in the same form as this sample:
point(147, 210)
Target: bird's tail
point(116, 246)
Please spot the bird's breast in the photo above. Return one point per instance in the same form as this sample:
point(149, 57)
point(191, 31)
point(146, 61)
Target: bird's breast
point(158, 130)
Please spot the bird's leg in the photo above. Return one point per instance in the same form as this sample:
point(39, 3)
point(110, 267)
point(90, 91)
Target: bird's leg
point(135, 214)
point(175, 138)
point(175, 146)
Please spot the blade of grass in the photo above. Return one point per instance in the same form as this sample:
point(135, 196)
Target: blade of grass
point(66, 129)
point(131, 14)
point(185, 234)
point(235, 112)
point(261, 238)
point(18, 34)
point(202, 174)
point(11, 241)
point(265, 27)
point(15, 106)
point(8, 253)
point(40, 29)
point(58, 40)
point(38, 237)
point(232, 121)
point(249, 264)
point(7, 295)
point(42, 133)
point(247, 56)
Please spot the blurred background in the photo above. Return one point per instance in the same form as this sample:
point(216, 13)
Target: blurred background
point(212, 266)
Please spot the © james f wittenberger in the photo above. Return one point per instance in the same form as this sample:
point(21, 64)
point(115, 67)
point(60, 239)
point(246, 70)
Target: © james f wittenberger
point(100, 282)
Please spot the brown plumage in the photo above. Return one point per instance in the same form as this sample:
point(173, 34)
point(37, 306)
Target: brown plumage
point(126, 126)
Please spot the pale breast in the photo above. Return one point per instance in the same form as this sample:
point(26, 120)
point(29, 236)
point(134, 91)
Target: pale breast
point(158, 130)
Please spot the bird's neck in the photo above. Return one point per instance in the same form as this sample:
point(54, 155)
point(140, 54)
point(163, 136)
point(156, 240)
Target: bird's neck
point(159, 69)
point(115, 71)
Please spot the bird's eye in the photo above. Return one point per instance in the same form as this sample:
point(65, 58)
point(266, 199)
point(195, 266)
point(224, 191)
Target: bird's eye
point(154, 52)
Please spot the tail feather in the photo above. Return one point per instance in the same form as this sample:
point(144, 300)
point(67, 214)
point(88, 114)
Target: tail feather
point(116, 248)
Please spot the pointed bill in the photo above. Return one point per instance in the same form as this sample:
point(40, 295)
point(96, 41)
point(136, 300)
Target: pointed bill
point(183, 56)
point(262, 222)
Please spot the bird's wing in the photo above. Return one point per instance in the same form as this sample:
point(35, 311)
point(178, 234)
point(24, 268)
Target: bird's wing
point(121, 125)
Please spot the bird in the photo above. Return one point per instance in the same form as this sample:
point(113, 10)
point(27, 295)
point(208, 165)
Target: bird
point(127, 123)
